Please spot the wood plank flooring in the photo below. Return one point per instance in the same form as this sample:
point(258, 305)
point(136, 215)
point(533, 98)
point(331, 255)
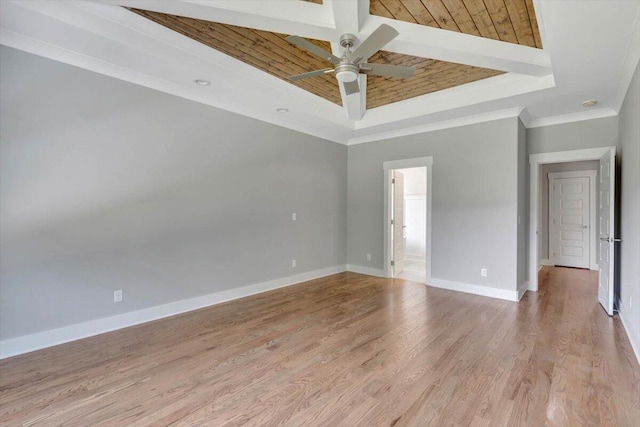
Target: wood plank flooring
point(345, 350)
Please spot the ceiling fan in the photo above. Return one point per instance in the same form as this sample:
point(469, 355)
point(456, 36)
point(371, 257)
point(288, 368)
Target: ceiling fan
point(349, 65)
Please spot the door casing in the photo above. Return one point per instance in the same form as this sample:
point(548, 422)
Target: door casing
point(535, 163)
point(388, 168)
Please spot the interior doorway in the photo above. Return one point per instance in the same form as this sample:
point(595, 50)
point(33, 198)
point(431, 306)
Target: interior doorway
point(408, 219)
point(409, 223)
point(605, 217)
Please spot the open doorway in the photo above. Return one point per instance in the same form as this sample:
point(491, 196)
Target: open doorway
point(408, 219)
point(409, 223)
point(604, 226)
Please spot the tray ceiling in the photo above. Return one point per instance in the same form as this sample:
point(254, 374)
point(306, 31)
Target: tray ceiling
point(104, 36)
point(270, 52)
point(512, 21)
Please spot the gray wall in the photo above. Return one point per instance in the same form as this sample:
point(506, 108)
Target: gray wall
point(544, 190)
point(474, 214)
point(630, 210)
point(143, 191)
point(573, 136)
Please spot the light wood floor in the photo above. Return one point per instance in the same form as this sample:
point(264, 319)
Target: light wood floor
point(341, 351)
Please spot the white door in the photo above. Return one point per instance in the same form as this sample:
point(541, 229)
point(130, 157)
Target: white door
point(398, 222)
point(606, 220)
point(569, 221)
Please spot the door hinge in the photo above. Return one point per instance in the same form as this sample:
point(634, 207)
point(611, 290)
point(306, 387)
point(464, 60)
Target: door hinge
point(392, 222)
point(393, 263)
point(393, 181)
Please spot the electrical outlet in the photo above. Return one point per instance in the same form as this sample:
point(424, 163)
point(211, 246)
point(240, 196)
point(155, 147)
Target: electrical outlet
point(294, 216)
point(368, 257)
point(293, 263)
point(117, 295)
point(483, 272)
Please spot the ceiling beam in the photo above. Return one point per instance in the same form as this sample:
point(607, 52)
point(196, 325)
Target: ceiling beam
point(301, 18)
point(348, 16)
point(428, 42)
point(355, 104)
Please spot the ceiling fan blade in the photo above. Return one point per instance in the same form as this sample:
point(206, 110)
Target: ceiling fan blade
point(351, 87)
point(310, 47)
point(376, 41)
point(386, 70)
point(311, 74)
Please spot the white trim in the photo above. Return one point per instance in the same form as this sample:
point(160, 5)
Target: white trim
point(536, 160)
point(544, 262)
point(469, 288)
point(369, 271)
point(388, 167)
point(431, 127)
point(570, 118)
point(27, 343)
point(635, 345)
point(592, 175)
point(408, 163)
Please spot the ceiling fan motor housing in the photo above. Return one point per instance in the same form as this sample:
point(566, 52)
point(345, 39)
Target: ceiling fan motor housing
point(347, 40)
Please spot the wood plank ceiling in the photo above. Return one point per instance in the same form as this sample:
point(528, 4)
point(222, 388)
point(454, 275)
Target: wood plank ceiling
point(512, 21)
point(270, 51)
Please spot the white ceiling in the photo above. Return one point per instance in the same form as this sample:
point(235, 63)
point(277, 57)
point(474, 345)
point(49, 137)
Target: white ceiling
point(591, 49)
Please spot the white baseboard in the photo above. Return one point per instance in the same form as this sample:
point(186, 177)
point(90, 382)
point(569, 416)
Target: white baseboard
point(369, 271)
point(544, 262)
point(27, 343)
point(635, 343)
point(530, 287)
point(484, 291)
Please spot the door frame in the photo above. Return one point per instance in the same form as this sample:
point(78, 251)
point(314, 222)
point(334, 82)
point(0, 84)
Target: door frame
point(387, 168)
point(535, 163)
point(591, 174)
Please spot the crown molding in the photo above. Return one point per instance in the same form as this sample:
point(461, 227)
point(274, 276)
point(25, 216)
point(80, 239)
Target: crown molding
point(570, 118)
point(445, 124)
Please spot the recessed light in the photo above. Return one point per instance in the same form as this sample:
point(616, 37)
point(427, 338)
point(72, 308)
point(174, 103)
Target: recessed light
point(282, 110)
point(201, 82)
point(589, 103)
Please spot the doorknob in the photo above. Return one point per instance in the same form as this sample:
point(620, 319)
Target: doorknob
point(585, 226)
point(609, 239)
